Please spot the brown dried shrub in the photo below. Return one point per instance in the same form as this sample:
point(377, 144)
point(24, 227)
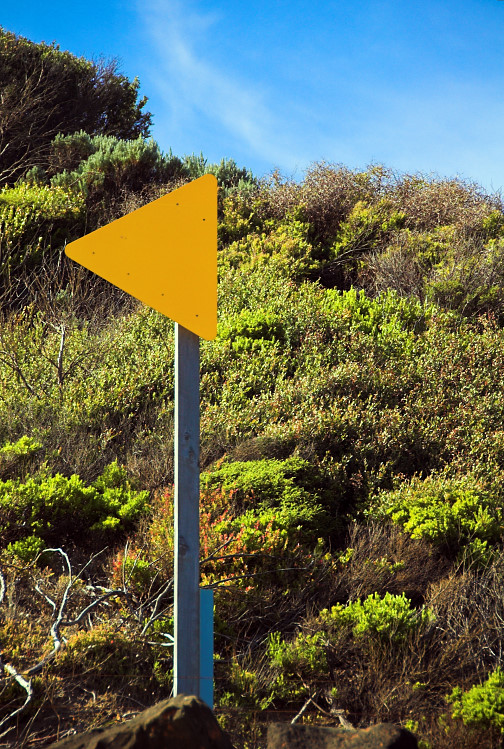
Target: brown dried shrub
point(393, 269)
point(386, 560)
point(431, 201)
point(328, 193)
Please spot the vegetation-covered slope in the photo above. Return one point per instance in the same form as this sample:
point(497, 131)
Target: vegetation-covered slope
point(352, 452)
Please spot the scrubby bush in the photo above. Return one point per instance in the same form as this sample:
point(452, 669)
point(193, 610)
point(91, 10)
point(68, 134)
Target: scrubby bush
point(307, 653)
point(252, 330)
point(108, 164)
point(23, 447)
point(429, 202)
point(365, 227)
point(291, 487)
point(448, 511)
point(55, 510)
point(374, 625)
point(390, 617)
point(232, 179)
point(327, 195)
point(34, 220)
point(471, 280)
point(239, 544)
point(15, 457)
point(482, 706)
point(241, 214)
point(284, 246)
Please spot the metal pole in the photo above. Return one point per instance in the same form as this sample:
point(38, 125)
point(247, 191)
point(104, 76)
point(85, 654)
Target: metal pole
point(186, 530)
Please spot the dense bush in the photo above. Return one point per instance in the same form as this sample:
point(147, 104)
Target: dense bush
point(450, 511)
point(104, 163)
point(482, 706)
point(251, 330)
point(365, 227)
point(46, 91)
point(45, 510)
point(376, 624)
point(35, 221)
point(290, 492)
point(232, 179)
point(390, 618)
point(284, 246)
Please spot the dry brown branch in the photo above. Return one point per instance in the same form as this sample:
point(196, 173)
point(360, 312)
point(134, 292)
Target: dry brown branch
point(59, 621)
point(26, 685)
point(304, 708)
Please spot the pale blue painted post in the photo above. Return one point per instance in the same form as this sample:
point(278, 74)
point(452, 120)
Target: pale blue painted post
point(206, 645)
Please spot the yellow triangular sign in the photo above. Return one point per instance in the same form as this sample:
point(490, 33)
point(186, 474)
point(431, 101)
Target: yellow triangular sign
point(164, 254)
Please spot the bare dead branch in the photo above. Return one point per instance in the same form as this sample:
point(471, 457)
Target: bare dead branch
point(93, 605)
point(2, 587)
point(255, 574)
point(304, 708)
point(26, 685)
point(9, 359)
point(156, 614)
point(44, 595)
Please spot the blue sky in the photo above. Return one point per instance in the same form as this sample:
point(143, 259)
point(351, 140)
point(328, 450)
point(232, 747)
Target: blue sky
point(415, 85)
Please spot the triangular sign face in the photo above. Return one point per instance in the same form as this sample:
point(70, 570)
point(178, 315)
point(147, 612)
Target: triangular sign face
point(164, 254)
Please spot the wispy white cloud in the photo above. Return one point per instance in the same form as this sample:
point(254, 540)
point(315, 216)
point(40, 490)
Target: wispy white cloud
point(193, 86)
point(288, 98)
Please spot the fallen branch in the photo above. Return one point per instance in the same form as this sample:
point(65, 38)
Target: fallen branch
point(26, 685)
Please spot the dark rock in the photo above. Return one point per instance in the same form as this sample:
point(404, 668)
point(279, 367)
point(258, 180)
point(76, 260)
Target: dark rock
point(183, 722)
point(381, 736)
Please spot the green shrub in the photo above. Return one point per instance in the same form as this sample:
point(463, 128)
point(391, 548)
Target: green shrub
point(241, 215)
point(252, 330)
point(291, 486)
point(385, 316)
point(446, 511)
point(236, 549)
point(366, 227)
point(482, 706)
point(327, 195)
point(471, 280)
point(27, 548)
point(390, 617)
point(387, 619)
point(307, 653)
point(59, 510)
point(46, 91)
point(243, 689)
point(231, 178)
point(493, 224)
point(111, 655)
point(33, 220)
point(284, 246)
point(110, 164)
point(15, 456)
point(23, 447)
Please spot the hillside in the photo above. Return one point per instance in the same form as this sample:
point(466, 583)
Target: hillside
point(352, 451)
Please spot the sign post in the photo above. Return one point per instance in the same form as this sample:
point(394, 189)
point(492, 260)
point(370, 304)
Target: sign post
point(186, 662)
point(165, 255)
